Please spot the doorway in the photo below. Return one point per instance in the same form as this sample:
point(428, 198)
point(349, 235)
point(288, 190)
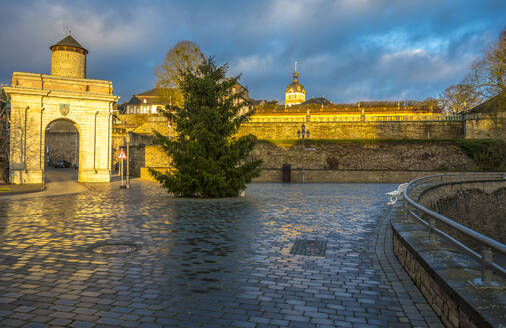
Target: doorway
point(61, 150)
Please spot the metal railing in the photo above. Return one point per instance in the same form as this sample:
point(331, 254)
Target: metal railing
point(412, 195)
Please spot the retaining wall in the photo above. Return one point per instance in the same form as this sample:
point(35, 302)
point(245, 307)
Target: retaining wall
point(343, 161)
point(443, 273)
point(477, 205)
point(357, 130)
point(486, 125)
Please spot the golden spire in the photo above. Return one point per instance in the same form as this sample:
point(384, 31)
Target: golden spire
point(295, 74)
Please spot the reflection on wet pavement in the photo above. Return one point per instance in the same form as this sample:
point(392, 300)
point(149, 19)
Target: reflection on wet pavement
point(199, 262)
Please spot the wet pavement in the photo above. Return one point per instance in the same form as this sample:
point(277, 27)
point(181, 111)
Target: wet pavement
point(58, 182)
point(205, 263)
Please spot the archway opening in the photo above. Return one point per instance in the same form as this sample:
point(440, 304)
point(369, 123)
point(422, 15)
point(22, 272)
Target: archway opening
point(61, 151)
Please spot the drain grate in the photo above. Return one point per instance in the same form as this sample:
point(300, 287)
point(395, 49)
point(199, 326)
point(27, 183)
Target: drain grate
point(114, 249)
point(309, 247)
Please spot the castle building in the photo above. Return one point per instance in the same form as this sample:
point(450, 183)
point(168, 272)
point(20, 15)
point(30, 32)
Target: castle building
point(295, 93)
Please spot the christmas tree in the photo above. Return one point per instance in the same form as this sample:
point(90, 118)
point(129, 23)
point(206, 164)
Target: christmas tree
point(208, 159)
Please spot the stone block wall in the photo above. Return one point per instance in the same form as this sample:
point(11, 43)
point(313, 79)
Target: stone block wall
point(68, 64)
point(382, 162)
point(450, 309)
point(155, 157)
point(143, 156)
point(365, 156)
point(343, 176)
point(477, 205)
point(4, 176)
point(441, 270)
point(486, 125)
point(137, 150)
point(44, 82)
point(62, 145)
point(357, 130)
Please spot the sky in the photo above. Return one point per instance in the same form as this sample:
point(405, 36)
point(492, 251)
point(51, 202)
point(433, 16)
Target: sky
point(347, 50)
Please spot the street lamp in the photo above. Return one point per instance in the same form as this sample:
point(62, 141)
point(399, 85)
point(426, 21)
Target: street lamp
point(128, 160)
point(303, 134)
point(124, 156)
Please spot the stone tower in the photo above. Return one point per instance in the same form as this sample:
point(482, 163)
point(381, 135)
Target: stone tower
point(68, 58)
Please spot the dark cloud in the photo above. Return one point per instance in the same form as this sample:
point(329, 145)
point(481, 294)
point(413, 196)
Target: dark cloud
point(348, 50)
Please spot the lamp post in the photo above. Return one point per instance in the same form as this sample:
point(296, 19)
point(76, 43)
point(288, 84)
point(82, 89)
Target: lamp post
point(303, 134)
point(128, 161)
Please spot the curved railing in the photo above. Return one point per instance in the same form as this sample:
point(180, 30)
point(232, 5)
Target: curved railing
point(491, 247)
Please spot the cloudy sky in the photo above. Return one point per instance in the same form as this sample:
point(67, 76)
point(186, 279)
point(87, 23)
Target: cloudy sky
point(348, 50)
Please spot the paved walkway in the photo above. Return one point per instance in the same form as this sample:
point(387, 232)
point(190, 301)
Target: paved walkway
point(205, 263)
point(58, 182)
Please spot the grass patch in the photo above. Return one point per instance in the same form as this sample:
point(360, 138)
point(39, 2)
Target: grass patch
point(488, 154)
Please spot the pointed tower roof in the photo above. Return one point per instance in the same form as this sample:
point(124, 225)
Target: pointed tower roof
point(295, 74)
point(295, 86)
point(69, 41)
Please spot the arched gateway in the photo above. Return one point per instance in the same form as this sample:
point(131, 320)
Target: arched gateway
point(39, 99)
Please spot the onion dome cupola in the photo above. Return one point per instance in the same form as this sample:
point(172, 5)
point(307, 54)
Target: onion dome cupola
point(68, 58)
point(295, 93)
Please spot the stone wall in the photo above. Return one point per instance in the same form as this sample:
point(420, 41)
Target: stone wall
point(142, 156)
point(62, 145)
point(486, 125)
point(343, 176)
point(358, 130)
point(137, 159)
point(452, 311)
point(68, 63)
point(137, 143)
point(446, 275)
point(479, 206)
point(4, 174)
point(367, 155)
point(382, 162)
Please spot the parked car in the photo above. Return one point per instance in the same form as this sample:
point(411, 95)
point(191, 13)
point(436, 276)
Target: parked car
point(61, 164)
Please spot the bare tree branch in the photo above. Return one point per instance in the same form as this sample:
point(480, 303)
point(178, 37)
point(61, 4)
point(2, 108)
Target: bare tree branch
point(182, 58)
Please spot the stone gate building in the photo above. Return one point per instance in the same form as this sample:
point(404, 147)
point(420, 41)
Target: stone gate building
point(37, 100)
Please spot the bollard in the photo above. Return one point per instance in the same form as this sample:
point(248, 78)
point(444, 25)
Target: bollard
point(486, 258)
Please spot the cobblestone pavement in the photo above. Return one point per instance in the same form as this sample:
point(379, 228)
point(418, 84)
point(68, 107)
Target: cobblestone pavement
point(205, 263)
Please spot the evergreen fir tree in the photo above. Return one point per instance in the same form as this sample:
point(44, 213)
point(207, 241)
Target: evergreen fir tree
point(209, 160)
